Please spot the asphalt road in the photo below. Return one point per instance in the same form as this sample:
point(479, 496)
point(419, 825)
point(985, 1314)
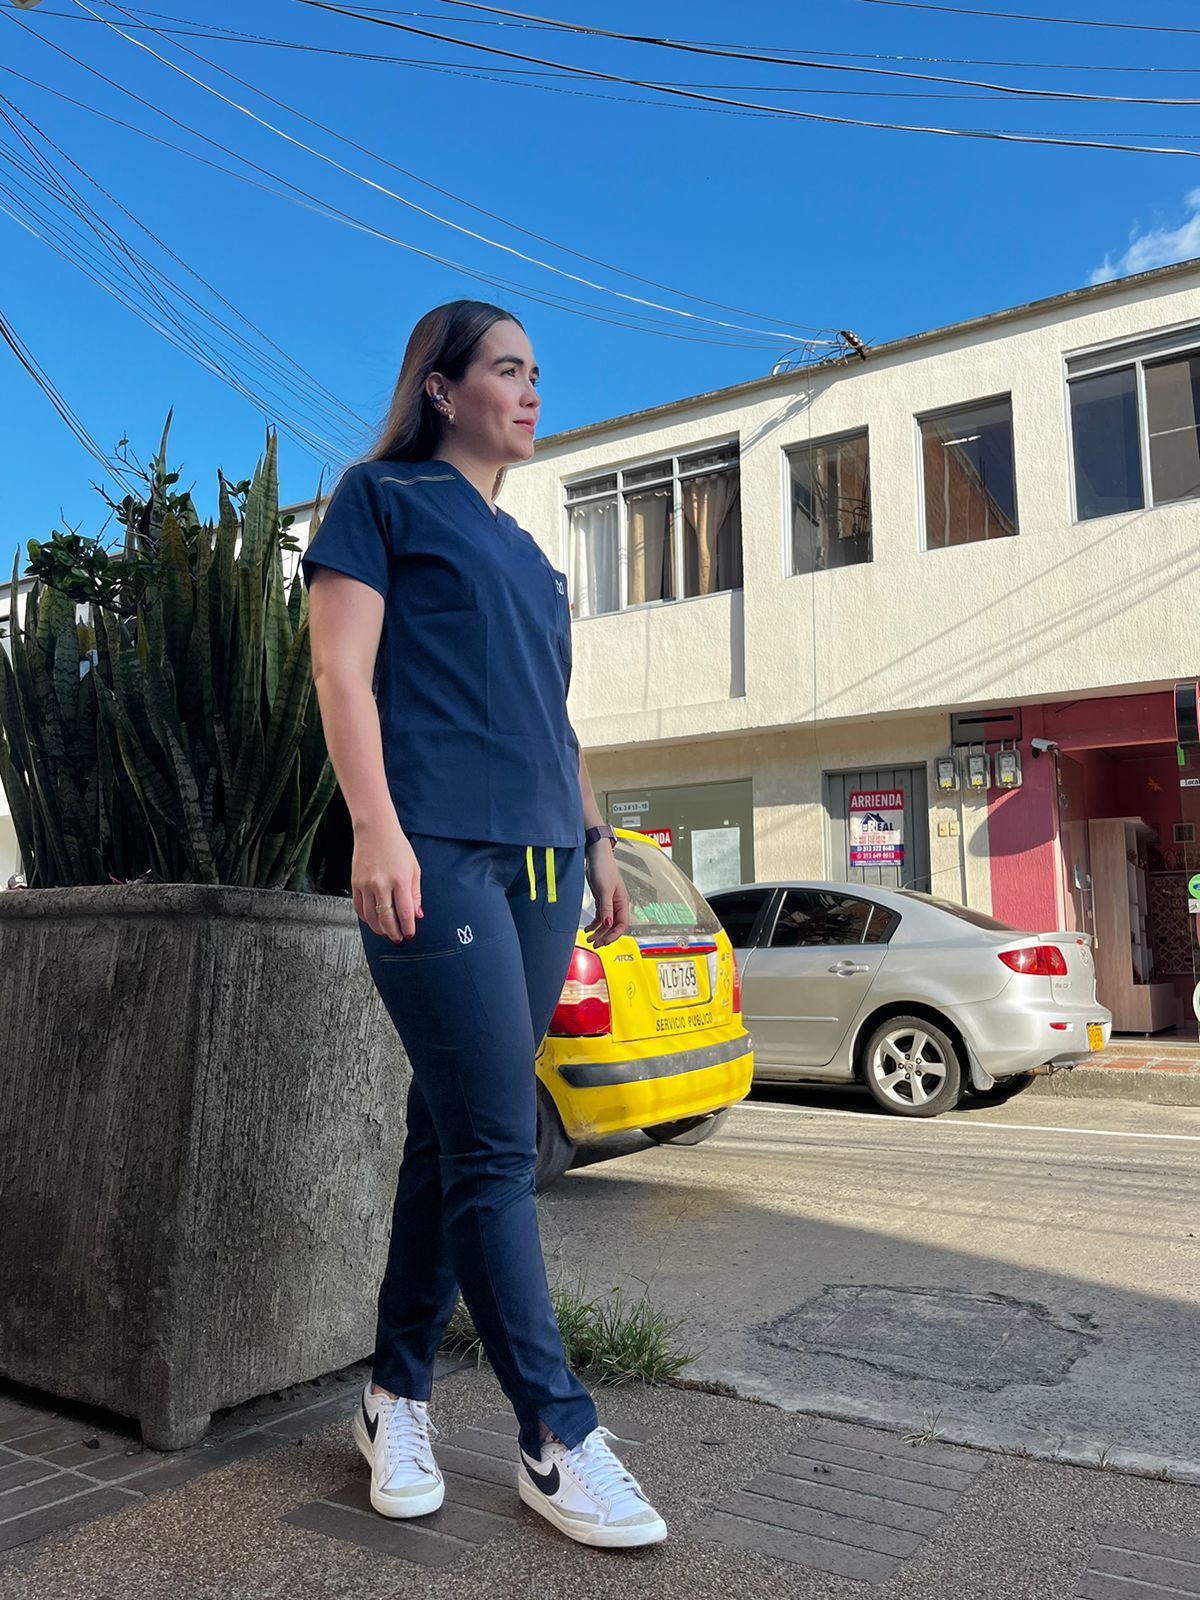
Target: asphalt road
point(1024, 1276)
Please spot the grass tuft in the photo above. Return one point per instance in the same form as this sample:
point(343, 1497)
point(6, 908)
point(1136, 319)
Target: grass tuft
point(929, 1433)
point(615, 1338)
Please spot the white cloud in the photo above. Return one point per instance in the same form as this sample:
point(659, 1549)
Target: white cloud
point(1157, 247)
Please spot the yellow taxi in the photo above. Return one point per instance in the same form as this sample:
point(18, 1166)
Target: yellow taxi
point(648, 1031)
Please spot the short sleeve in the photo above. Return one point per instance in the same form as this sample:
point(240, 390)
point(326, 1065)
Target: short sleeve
point(353, 535)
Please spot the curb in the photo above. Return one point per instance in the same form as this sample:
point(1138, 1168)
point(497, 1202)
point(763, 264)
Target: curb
point(1071, 1450)
point(1149, 1085)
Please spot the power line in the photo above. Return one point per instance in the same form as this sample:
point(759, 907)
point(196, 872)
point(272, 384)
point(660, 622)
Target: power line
point(287, 369)
point(1001, 136)
point(499, 76)
point(73, 249)
point(46, 384)
point(145, 276)
point(239, 36)
point(411, 204)
point(728, 53)
point(479, 210)
point(517, 74)
point(1024, 16)
point(310, 202)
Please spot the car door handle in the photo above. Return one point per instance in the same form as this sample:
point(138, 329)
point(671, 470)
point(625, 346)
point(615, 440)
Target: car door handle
point(847, 969)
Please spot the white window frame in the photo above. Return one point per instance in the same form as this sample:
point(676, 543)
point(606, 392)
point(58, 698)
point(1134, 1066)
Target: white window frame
point(619, 470)
point(1135, 353)
point(1004, 396)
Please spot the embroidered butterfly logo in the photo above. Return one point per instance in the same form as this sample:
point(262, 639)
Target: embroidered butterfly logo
point(465, 935)
point(558, 584)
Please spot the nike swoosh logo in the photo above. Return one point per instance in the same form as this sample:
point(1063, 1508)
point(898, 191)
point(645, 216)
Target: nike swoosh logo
point(547, 1482)
point(372, 1424)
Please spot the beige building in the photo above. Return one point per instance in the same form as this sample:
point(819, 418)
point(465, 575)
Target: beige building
point(961, 577)
point(815, 585)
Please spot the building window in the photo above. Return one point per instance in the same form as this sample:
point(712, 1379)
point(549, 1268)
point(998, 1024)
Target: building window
point(1135, 421)
point(1108, 455)
point(666, 530)
point(969, 480)
point(1172, 411)
point(831, 504)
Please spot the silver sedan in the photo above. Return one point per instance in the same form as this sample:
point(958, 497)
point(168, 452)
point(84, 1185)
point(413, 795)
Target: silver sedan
point(916, 997)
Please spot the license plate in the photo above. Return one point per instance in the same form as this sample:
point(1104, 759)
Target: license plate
point(1095, 1036)
point(678, 980)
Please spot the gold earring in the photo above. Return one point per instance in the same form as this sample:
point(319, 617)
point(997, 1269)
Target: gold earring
point(447, 410)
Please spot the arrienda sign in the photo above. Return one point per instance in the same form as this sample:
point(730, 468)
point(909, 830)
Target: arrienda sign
point(876, 828)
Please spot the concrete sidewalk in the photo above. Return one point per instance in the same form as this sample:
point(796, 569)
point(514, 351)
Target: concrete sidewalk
point(760, 1503)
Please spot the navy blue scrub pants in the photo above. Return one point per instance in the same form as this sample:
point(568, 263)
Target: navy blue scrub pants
point(471, 996)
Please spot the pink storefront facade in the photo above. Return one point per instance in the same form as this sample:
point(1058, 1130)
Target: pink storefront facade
point(1059, 857)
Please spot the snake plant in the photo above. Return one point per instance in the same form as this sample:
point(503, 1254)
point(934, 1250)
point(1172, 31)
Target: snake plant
point(174, 735)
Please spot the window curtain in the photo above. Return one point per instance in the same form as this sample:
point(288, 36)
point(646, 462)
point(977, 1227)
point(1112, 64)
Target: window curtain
point(648, 524)
point(708, 501)
point(595, 585)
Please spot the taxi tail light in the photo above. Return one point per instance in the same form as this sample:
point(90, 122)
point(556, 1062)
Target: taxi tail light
point(737, 986)
point(1036, 961)
point(583, 1009)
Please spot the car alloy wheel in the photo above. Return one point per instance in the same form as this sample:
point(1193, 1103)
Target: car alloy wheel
point(912, 1068)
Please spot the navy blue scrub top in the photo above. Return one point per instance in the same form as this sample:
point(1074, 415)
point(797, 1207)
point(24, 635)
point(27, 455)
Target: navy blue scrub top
point(474, 657)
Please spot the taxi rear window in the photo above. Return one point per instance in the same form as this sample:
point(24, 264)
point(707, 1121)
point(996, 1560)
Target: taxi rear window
point(661, 899)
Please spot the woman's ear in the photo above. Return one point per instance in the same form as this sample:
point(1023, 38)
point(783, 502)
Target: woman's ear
point(435, 388)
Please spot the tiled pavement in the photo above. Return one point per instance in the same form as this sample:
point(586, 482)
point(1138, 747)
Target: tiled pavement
point(761, 1503)
point(1128, 1564)
point(59, 1468)
point(849, 1501)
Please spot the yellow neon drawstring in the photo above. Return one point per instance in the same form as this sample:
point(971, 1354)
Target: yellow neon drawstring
point(551, 885)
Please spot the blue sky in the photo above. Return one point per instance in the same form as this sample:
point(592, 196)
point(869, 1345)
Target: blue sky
point(881, 232)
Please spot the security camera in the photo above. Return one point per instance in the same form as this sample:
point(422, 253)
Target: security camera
point(1042, 746)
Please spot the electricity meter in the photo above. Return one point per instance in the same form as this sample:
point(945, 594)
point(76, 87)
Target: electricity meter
point(1008, 769)
point(947, 774)
point(979, 771)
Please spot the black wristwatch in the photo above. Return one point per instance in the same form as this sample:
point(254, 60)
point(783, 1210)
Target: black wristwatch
point(602, 831)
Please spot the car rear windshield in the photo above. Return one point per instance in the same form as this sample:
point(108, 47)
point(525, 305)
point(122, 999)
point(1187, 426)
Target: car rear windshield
point(977, 919)
point(661, 899)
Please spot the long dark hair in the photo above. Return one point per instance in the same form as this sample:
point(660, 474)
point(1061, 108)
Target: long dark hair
point(445, 340)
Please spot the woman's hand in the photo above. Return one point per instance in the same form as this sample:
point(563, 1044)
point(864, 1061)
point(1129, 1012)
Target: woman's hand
point(608, 889)
point(385, 872)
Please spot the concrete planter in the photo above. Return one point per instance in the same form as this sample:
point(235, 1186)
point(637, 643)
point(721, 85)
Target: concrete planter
point(201, 1119)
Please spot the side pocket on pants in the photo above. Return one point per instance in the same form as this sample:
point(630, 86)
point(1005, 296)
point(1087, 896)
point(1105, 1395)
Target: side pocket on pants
point(431, 999)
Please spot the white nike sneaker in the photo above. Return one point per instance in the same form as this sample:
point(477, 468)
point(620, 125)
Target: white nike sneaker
point(588, 1494)
point(394, 1436)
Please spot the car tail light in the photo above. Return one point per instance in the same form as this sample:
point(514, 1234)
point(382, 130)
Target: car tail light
point(583, 1010)
point(1036, 961)
point(737, 986)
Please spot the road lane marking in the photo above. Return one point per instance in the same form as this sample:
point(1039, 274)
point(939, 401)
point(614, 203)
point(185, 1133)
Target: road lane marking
point(968, 1127)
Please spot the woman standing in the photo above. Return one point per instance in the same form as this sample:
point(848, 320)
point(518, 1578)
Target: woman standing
point(442, 656)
